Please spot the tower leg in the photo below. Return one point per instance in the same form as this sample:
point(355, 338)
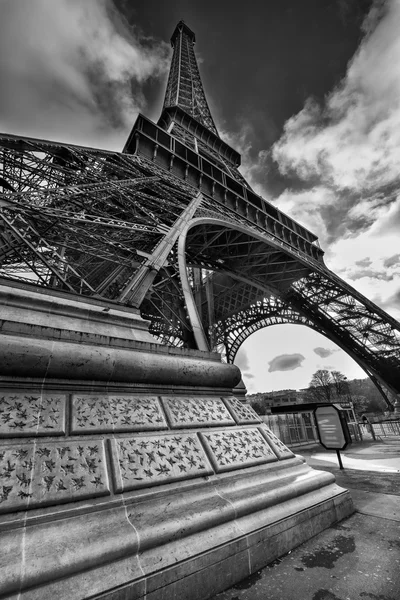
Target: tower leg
point(129, 469)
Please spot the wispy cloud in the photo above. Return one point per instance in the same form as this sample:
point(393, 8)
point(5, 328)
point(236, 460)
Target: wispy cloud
point(255, 170)
point(380, 244)
point(248, 376)
point(285, 362)
point(392, 261)
point(73, 70)
point(324, 352)
point(242, 360)
point(365, 262)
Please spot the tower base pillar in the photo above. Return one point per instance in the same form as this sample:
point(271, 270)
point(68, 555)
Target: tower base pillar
point(130, 470)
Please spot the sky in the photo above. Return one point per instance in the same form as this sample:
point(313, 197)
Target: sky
point(308, 92)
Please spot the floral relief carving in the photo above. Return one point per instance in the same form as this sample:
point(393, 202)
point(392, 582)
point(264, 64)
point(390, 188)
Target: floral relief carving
point(242, 413)
point(39, 474)
point(185, 411)
point(116, 413)
point(151, 460)
point(32, 414)
point(276, 444)
point(229, 450)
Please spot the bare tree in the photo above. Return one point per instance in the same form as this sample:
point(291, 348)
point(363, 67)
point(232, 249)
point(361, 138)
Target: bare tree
point(328, 386)
point(340, 384)
point(320, 388)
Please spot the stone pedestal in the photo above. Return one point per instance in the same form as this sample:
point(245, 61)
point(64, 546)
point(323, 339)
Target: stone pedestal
point(130, 470)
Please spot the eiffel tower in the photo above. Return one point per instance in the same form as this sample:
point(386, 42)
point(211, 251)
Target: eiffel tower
point(171, 226)
point(134, 458)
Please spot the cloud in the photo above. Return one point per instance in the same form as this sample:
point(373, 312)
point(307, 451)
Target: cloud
point(349, 148)
point(285, 362)
point(254, 168)
point(365, 262)
point(73, 71)
point(380, 282)
point(345, 155)
point(324, 352)
point(372, 274)
point(242, 360)
point(393, 300)
point(392, 261)
point(309, 208)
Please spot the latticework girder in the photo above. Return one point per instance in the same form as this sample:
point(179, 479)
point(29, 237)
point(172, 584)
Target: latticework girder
point(373, 333)
point(318, 300)
point(247, 269)
point(83, 222)
point(267, 311)
point(184, 87)
point(112, 226)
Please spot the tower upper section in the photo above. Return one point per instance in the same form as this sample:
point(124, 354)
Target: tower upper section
point(184, 88)
point(186, 116)
point(185, 144)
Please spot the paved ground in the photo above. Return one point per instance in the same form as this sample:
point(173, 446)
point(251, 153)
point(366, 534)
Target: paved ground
point(358, 559)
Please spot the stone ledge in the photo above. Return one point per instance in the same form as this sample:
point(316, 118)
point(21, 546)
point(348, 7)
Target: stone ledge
point(205, 561)
point(42, 313)
point(233, 505)
point(54, 359)
point(26, 309)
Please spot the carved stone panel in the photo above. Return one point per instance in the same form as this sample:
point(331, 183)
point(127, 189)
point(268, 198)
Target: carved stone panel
point(32, 414)
point(32, 475)
point(276, 444)
point(184, 411)
point(242, 413)
point(152, 460)
point(230, 450)
point(116, 413)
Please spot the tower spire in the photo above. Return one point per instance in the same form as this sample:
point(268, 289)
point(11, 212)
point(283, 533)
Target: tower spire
point(184, 88)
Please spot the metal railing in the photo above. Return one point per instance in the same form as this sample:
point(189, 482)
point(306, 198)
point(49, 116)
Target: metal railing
point(386, 428)
point(299, 429)
point(293, 429)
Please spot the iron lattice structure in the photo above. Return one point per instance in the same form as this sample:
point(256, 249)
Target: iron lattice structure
point(170, 226)
point(184, 87)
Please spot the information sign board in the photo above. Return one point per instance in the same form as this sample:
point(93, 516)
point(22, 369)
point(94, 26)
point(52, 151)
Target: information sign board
point(332, 429)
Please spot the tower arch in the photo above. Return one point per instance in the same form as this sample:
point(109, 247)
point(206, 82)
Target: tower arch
point(268, 297)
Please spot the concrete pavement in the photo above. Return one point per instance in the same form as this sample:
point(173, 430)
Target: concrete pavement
point(357, 559)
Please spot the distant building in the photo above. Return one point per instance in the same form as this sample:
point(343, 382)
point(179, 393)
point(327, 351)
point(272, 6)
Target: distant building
point(279, 398)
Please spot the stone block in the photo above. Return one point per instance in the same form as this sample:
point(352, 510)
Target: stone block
point(152, 460)
point(184, 411)
point(236, 449)
point(32, 414)
point(33, 475)
point(111, 413)
point(242, 413)
point(276, 444)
